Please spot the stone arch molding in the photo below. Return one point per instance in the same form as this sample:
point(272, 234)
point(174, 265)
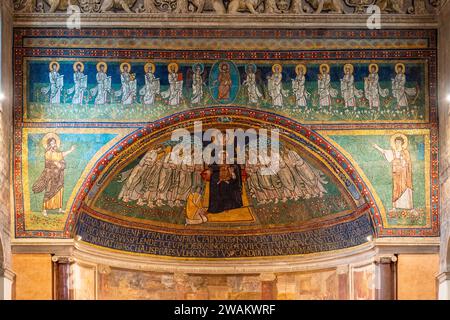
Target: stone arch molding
point(83, 215)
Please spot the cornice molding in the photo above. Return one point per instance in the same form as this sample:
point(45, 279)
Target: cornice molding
point(357, 256)
point(237, 21)
point(360, 255)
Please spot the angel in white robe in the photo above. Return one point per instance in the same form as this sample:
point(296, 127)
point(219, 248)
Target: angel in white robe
point(135, 178)
point(310, 181)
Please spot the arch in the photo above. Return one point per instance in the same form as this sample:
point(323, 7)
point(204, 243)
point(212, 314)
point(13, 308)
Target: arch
point(137, 142)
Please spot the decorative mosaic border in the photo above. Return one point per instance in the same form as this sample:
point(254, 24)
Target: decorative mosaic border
point(376, 54)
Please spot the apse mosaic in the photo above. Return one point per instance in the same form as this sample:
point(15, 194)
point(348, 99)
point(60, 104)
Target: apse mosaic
point(358, 138)
point(154, 188)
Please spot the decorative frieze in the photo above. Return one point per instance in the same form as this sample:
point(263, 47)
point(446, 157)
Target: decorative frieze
point(273, 7)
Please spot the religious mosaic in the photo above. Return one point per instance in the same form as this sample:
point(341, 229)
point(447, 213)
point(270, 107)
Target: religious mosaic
point(94, 112)
point(307, 92)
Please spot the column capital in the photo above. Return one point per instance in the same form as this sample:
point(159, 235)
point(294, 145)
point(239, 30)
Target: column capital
point(104, 269)
point(62, 259)
point(386, 259)
point(8, 274)
point(267, 277)
point(342, 269)
point(443, 276)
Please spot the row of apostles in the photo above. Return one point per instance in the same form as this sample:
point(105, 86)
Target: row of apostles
point(174, 94)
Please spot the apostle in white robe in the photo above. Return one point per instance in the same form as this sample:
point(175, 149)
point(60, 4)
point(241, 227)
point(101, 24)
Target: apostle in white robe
point(56, 84)
point(253, 93)
point(152, 86)
point(175, 92)
point(128, 85)
point(103, 85)
point(275, 86)
point(399, 91)
point(325, 91)
point(372, 89)
point(298, 87)
point(80, 84)
point(348, 89)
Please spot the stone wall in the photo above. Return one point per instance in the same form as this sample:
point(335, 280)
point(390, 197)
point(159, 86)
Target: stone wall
point(5, 147)
point(444, 115)
point(415, 279)
point(355, 282)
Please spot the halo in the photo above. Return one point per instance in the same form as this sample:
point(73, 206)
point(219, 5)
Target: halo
point(400, 65)
point(122, 65)
point(373, 65)
point(78, 63)
point(102, 63)
point(222, 64)
point(173, 64)
point(48, 136)
point(302, 67)
point(252, 65)
point(399, 135)
point(326, 66)
point(277, 65)
point(149, 64)
point(349, 65)
point(202, 67)
point(51, 65)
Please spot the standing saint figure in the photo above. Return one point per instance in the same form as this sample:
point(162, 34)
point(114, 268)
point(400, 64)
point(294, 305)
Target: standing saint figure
point(128, 82)
point(399, 91)
point(326, 92)
point(103, 87)
point(348, 89)
point(51, 180)
point(152, 85)
point(56, 83)
point(372, 89)
point(175, 92)
point(253, 92)
point(197, 84)
point(80, 83)
point(298, 86)
point(225, 82)
point(402, 182)
point(275, 86)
